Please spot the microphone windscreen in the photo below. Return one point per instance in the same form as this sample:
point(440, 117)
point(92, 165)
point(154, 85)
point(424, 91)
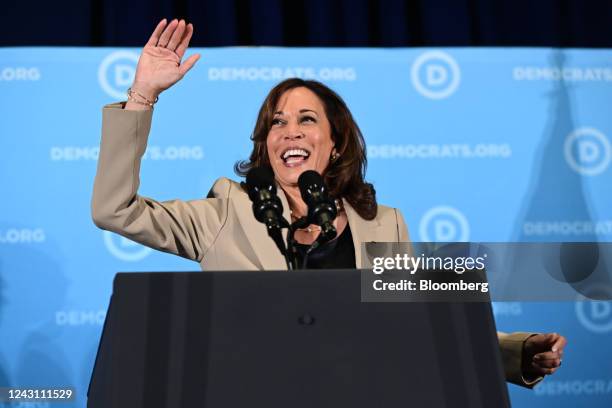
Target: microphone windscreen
point(258, 178)
point(307, 180)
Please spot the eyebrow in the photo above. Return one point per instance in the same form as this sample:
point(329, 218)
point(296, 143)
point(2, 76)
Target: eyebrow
point(301, 111)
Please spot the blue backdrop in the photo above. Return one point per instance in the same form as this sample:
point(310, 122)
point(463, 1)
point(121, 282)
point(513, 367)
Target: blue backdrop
point(482, 144)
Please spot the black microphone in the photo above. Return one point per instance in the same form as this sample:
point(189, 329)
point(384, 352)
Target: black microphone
point(267, 207)
point(321, 208)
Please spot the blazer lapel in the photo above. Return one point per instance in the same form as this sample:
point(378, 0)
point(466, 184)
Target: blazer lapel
point(361, 230)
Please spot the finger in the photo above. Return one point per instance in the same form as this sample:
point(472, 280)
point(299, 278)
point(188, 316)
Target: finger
point(551, 338)
point(157, 32)
point(182, 47)
point(542, 370)
point(177, 35)
point(544, 342)
point(552, 363)
point(559, 344)
point(165, 37)
point(547, 355)
point(188, 63)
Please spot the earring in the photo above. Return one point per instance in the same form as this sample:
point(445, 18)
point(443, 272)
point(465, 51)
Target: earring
point(335, 156)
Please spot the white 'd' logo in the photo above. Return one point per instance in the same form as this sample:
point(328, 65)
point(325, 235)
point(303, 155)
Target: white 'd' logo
point(435, 74)
point(444, 224)
point(124, 249)
point(116, 73)
point(587, 151)
point(595, 316)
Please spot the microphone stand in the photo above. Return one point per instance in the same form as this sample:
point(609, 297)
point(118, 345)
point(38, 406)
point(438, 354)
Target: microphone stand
point(313, 246)
point(289, 251)
point(274, 231)
point(291, 242)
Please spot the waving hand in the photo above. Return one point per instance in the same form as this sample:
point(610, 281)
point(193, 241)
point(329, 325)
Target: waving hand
point(161, 62)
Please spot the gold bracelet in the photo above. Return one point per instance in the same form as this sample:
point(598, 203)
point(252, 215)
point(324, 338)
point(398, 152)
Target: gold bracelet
point(148, 102)
point(132, 99)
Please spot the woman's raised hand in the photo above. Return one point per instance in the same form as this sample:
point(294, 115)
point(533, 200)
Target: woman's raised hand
point(160, 66)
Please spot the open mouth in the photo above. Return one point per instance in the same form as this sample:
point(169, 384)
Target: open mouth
point(295, 156)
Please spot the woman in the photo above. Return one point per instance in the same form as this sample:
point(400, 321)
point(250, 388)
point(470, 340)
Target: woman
point(302, 125)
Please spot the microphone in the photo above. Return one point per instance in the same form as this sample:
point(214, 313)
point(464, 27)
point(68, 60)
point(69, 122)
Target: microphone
point(321, 208)
point(267, 207)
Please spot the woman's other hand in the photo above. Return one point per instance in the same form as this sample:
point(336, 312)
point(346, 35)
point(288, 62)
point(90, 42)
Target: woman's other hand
point(542, 354)
point(160, 64)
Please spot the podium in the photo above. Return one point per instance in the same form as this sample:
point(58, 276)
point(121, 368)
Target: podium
point(289, 339)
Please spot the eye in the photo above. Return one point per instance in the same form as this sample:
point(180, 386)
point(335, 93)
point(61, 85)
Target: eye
point(277, 121)
point(308, 119)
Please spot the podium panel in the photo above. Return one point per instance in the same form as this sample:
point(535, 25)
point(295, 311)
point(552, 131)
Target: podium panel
point(289, 339)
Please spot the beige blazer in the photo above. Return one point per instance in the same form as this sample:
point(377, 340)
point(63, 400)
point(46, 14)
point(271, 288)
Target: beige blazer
point(219, 232)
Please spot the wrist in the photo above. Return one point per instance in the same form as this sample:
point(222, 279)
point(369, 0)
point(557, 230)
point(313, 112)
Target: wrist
point(527, 354)
point(136, 97)
point(146, 90)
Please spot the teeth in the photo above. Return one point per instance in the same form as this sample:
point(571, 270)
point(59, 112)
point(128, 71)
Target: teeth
point(294, 159)
point(295, 152)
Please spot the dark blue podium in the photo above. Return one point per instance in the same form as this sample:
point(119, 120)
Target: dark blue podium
point(289, 339)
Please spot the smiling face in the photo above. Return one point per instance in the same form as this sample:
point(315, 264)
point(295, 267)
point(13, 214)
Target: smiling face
point(300, 136)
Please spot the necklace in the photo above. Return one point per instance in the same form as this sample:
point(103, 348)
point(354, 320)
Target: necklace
point(309, 229)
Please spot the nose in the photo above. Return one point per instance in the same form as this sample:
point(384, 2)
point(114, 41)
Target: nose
point(293, 131)
point(294, 135)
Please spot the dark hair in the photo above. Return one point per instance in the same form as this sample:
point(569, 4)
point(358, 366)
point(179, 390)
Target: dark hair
point(344, 176)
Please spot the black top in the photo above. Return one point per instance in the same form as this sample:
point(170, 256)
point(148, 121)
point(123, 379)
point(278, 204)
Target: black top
point(336, 254)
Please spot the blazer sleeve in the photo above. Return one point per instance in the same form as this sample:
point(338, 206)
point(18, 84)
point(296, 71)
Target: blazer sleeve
point(511, 347)
point(184, 228)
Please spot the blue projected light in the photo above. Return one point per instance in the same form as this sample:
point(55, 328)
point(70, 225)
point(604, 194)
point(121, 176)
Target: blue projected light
point(483, 144)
